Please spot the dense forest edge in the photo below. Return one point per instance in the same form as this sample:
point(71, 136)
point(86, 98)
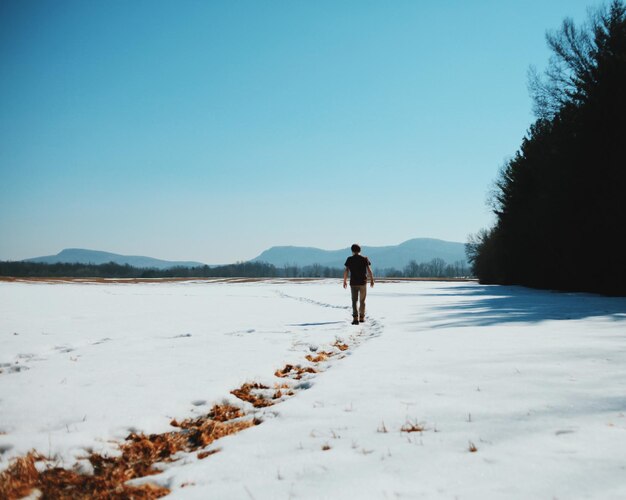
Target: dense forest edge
point(560, 201)
point(435, 268)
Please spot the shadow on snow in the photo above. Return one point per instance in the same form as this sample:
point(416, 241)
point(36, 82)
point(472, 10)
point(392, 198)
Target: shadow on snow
point(493, 304)
point(318, 324)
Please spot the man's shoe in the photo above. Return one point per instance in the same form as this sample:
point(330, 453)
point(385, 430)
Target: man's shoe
point(361, 320)
point(355, 321)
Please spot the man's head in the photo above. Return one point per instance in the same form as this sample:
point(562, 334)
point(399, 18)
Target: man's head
point(355, 248)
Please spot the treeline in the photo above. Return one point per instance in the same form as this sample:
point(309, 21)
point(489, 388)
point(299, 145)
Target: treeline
point(434, 268)
point(560, 202)
point(113, 270)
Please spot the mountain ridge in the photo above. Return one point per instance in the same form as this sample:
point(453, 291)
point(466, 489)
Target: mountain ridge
point(85, 256)
point(382, 257)
point(389, 256)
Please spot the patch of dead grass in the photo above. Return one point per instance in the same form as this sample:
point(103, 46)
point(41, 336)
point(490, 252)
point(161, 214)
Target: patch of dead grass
point(225, 412)
point(322, 356)
point(139, 452)
point(294, 371)
point(340, 345)
point(413, 427)
point(22, 477)
point(258, 400)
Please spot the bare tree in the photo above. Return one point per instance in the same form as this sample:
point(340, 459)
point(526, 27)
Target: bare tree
point(412, 269)
point(570, 67)
point(437, 267)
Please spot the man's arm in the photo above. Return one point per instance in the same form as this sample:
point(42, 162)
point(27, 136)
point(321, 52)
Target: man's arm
point(345, 277)
point(371, 275)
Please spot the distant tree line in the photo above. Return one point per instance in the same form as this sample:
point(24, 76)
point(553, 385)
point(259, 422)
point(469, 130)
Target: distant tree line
point(20, 269)
point(435, 268)
point(560, 202)
point(113, 270)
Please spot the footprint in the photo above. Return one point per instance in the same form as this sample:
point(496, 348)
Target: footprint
point(101, 341)
point(5, 447)
point(63, 348)
point(240, 333)
point(304, 385)
point(15, 369)
point(198, 402)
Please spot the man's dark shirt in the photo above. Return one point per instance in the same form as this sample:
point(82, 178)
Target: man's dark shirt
point(357, 264)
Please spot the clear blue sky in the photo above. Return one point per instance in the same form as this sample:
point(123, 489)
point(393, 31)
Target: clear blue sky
point(211, 130)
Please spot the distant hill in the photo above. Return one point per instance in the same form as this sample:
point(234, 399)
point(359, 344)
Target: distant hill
point(398, 256)
point(82, 256)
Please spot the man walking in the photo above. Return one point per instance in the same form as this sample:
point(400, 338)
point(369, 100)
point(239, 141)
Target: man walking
point(359, 268)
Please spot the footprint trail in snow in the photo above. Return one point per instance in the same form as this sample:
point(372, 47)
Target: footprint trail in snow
point(140, 453)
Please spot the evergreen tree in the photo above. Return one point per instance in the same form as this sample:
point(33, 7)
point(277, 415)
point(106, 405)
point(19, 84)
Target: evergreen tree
point(559, 201)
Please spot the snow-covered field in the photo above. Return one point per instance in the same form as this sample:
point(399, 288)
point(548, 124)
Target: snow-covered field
point(535, 380)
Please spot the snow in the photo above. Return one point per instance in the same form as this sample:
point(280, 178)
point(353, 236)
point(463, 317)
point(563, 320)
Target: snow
point(536, 380)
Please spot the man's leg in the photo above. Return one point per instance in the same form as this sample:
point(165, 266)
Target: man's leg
point(363, 294)
point(355, 297)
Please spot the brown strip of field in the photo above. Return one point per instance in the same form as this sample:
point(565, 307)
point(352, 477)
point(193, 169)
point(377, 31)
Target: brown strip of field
point(58, 280)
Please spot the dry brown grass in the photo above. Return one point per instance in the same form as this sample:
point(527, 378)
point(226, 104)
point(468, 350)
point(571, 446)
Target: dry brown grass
point(225, 412)
point(321, 356)
point(204, 454)
point(413, 427)
point(340, 346)
point(139, 452)
point(294, 371)
point(22, 477)
point(258, 400)
point(201, 432)
point(208, 280)
point(472, 447)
